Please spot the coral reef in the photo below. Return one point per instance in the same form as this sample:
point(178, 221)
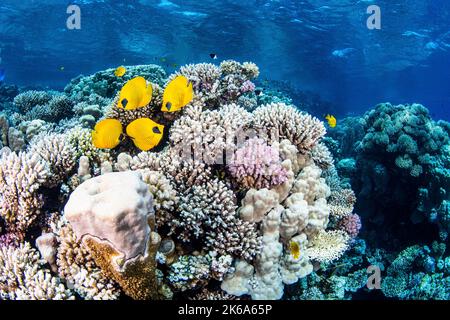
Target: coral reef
point(214, 212)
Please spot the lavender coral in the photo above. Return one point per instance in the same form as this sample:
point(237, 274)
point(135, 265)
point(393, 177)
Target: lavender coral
point(257, 165)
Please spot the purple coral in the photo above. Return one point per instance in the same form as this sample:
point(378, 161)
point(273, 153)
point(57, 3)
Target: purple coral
point(248, 86)
point(9, 240)
point(351, 224)
point(257, 165)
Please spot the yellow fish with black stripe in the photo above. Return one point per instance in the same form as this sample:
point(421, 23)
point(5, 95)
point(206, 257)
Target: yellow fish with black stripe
point(136, 93)
point(107, 134)
point(178, 93)
point(145, 133)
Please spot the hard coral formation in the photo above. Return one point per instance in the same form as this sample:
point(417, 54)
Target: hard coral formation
point(220, 203)
point(257, 165)
point(281, 121)
point(23, 276)
point(113, 215)
point(401, 154)
point(21, 177)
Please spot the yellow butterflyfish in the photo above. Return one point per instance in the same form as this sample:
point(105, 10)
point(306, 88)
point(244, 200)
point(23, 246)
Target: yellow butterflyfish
point(136, 93)
point(107, 134)
point(120, 71)
point(331, 120)
point(145, 133)
point(178, 94)
point(294, 247)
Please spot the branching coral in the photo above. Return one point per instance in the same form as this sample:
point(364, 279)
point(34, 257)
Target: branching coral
point(280, 121)
point(341, 203)
point(23, 277)
point(164, 196)
point(322, 156)
point(208, 136)
point(257, 165)
point(210, 209)
point(58, 153)
point(77, 267)
point(29, 99)
point(215, 153)
point(21, 176)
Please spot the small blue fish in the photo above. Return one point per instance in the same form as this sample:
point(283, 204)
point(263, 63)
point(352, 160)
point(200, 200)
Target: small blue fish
point(2, 75)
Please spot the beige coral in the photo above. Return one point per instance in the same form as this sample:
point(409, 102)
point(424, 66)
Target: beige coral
point(328, 246)
point(58, 153)
point(76, 266)
point(21, 176)
point(22, 276)
point(279, 121)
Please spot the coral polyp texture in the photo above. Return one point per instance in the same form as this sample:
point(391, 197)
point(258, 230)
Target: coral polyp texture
point(235, 203)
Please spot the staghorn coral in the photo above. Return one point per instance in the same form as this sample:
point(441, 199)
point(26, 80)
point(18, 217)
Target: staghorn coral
point(280, 121)
point(21, 176)
point(22, 276)
point(257, 165)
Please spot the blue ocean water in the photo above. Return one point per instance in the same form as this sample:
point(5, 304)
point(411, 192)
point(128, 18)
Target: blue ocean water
point(320, 46)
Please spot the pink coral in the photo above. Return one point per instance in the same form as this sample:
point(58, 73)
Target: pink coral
point(257, 165)
point(248, 86)
point(9, 240)
point(351, 224)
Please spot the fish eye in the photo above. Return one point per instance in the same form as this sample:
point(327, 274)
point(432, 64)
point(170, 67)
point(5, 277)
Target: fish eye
point(168, 105)
point(156, 130)
point(124, 102)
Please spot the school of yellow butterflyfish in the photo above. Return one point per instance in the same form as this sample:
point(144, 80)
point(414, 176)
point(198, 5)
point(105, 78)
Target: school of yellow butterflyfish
point(144, 132)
